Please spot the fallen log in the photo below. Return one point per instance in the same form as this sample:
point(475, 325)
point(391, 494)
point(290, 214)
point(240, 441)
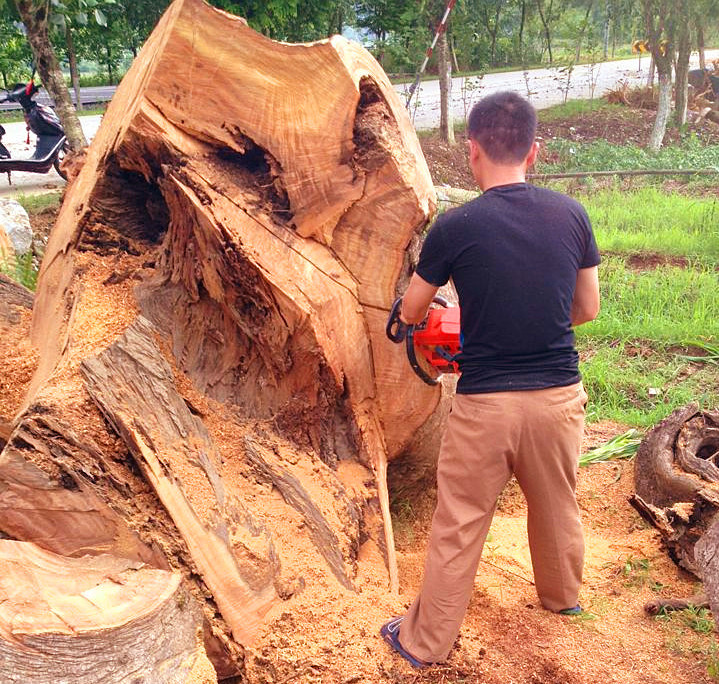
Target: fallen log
point(676, 486)
point(215, 394)
point(92, 620)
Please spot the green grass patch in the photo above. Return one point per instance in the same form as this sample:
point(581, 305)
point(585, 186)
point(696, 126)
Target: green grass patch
point(36, 204)
point(568, 155)
point(15, 115)
point(573, 108)
point(22, 270)
point(649, 220)
point(667, 304)
point(641, 385)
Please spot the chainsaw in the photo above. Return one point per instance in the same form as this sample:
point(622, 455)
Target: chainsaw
point(432, 345)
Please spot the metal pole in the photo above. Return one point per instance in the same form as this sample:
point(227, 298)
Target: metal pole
point(442, 26)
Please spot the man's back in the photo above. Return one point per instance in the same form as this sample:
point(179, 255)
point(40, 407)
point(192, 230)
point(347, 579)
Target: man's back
point(513, 255)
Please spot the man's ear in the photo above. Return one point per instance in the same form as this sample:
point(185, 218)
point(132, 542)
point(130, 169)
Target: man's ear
point(532, 154)
point(473, 151)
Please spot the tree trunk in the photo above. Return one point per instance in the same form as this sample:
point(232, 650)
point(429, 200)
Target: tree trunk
point(74, 75)
point(545, 19)
point(677, 490)
point(446, 119)
point(700, 43)
point(215, 394)
point(582, 31)
point(664, 105)
point(35, 18)
point(65, 611)
point(681, 85)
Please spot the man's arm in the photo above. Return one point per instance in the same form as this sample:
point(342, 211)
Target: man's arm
point(585, 305)
point(417, 299)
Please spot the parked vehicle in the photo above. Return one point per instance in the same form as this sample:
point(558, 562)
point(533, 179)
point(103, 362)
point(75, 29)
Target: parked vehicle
point(51, 143)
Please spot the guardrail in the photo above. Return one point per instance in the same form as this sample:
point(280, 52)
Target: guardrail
point(88, 96)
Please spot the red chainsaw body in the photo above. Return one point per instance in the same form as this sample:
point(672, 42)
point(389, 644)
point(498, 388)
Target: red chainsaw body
point(439, 331)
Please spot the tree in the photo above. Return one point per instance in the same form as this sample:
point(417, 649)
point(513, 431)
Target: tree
point(292, 20)
point(15, 54)
point(67, 16)
point(684, 48)
point(659, 18)
point(35, 16)
point(218, 295)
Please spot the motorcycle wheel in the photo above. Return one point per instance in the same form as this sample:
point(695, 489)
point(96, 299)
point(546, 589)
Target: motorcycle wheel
point(58, 160)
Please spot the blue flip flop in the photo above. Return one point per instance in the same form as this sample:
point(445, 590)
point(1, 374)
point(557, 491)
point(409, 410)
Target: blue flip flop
point(390, 633)
point(576, 610)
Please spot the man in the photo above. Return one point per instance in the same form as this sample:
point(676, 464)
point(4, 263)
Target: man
point(524, 263)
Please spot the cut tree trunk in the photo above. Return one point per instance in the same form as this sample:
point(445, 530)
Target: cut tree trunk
point(677, 491)
point(58, 615)
point(215, 393)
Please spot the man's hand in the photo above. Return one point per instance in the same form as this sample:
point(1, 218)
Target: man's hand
point(416, 301)
point(585, 305)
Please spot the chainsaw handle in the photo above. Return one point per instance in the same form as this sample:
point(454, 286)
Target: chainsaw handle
point(396, 328)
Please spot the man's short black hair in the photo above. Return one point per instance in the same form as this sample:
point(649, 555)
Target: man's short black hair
point(504, 125)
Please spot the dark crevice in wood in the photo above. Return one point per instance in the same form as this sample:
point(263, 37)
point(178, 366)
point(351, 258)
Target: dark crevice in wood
point(258, 173)
point(375, 130)
point(130, 204)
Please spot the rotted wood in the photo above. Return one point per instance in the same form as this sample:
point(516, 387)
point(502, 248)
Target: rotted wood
point(677, 491)
point(49, 493)
point(58, 615)
point(134, 387)
point(332, 517)
point(14, 299)
point(659, 605)
point(13, 296)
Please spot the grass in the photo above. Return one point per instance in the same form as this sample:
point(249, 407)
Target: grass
point(690, 632)
point(21, 269)
point(600, 155)
point(36, 204)
point(14, 115)
point(649, 220)
point(652, 348)
point(573, 108)
point(667, 304)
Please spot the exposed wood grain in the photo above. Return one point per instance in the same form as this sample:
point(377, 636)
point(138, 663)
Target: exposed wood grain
point(134, 387)
point(92, 620)
point(335, 530)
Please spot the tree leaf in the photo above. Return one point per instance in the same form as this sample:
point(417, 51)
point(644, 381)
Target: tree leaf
point(100, 17)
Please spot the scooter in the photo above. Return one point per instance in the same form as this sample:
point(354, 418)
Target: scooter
point(51, 143)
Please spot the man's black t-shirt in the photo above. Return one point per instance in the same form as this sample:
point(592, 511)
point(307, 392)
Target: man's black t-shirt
point(513, 255)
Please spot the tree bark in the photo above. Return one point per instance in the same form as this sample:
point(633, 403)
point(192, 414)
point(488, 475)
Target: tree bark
point(545, 18)
point(677, 490)
point(35, 18)
point(681, 85)
point(74, 75)
point(664, 106)
point(446, 120)
point(215, 393)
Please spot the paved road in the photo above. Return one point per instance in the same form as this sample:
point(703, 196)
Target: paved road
point(545, 88)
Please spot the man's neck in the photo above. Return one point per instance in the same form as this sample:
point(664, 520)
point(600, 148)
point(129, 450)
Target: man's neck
point(492, 176)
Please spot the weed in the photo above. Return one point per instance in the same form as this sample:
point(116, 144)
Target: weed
point(21, 269)
point(37, 203)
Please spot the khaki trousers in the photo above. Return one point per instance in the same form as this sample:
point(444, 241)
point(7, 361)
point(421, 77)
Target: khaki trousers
point(535, 435)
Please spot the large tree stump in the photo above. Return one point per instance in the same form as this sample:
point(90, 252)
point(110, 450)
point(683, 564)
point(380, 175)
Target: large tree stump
point(677, 491)
point(215, 394)
point(57, 616)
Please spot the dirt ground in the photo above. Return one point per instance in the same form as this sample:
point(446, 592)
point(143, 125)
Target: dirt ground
point(507, 638)
point(329, 634)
